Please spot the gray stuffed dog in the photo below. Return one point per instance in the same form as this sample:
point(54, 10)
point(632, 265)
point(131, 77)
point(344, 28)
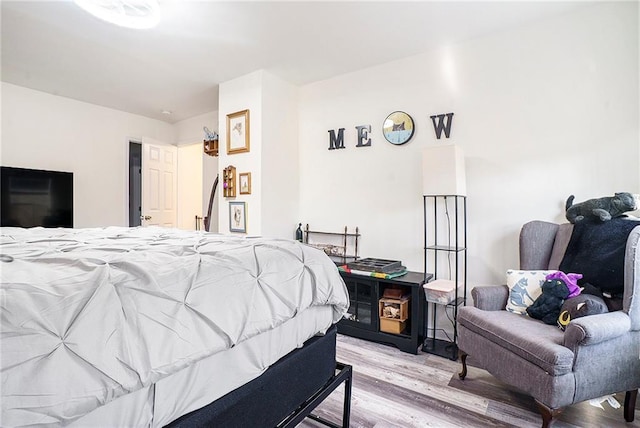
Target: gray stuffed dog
point(601, 208)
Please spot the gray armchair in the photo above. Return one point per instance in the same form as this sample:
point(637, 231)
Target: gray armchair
point(596, 355)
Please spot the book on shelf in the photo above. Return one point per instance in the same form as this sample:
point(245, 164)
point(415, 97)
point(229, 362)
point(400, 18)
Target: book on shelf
point(382, 275)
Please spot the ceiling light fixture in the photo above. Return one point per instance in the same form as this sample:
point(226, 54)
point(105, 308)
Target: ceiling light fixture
point(138, 14)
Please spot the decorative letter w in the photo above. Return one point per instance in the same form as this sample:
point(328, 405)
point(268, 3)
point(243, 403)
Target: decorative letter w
point(442, 124)
point(336, 143)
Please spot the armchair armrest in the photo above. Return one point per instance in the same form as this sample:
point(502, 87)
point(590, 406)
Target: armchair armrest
point(490, 298)
point(596, 328)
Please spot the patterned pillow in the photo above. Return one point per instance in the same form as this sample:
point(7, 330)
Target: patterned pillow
point(524, 288)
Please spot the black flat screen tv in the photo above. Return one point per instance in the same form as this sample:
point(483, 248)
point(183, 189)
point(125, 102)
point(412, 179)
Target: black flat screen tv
point(32, 197)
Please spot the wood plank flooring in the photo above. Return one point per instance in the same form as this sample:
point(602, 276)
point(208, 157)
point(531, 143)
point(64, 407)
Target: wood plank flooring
point(395, 389)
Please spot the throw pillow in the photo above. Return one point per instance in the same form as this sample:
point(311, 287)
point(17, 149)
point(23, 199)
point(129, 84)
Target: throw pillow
point(580, 306)
point(524, 288)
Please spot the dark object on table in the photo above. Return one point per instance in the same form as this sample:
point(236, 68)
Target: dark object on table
point(375, 265)
point(602, 209)
point(299, 233)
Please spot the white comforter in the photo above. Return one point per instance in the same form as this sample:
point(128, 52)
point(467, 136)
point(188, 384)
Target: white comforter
point(89, 315)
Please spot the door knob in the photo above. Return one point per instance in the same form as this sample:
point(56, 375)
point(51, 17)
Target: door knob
point(145, 217)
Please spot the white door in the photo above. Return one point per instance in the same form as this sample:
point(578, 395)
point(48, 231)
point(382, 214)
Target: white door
point(159, 184)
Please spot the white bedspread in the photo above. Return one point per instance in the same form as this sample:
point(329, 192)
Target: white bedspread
point(88, 315)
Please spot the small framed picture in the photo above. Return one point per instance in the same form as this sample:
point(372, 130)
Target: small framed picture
point(245, 183)
point(238, 132)
point(238, 217)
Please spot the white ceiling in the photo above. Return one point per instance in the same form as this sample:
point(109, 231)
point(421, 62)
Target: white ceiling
point(55, 47)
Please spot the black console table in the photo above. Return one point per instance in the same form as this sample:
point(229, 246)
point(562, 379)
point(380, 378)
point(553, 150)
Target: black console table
point(363, 321)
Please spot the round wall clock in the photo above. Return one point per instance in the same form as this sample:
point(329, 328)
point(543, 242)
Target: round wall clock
point(398, 128)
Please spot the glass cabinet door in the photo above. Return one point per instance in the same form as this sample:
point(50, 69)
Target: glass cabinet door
point(363, 309)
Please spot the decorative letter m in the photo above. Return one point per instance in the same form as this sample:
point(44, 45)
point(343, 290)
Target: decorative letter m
point(336, 142)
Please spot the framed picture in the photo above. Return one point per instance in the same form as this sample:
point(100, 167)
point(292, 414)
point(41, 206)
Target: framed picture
point(238, 132)
point(398, 128)
point(245, 183)
point(238, 217)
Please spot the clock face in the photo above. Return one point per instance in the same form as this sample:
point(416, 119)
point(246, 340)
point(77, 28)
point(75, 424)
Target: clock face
point(398, 128)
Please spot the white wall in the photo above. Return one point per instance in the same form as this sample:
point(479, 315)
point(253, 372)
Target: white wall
point(190, 163)
point(45, 131)
point(541, 112)
point(280, 168)
point(188, 132)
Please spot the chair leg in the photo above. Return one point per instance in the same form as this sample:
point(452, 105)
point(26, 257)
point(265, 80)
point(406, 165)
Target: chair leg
point(463, 359)
point(547, 414)
point(630, 405)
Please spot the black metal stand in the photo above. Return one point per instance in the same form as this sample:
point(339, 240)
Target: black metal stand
point(344, 374)
point(446, 348)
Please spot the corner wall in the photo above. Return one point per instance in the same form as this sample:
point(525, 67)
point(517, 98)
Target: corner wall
point(236, 95)
point(272, 206)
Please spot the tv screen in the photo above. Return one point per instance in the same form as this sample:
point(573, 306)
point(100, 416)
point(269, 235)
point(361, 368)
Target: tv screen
point(31, 197)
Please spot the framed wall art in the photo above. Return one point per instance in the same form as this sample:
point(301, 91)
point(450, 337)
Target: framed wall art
point(398, 128)
point(238, 132)
point(238, 217)
point(245, 183)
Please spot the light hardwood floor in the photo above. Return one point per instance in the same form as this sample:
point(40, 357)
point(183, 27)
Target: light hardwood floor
point(395, 389)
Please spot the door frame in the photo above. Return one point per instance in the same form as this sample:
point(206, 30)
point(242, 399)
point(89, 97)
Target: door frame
point(125, 184)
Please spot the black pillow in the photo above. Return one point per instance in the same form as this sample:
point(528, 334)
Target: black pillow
point(596, 250)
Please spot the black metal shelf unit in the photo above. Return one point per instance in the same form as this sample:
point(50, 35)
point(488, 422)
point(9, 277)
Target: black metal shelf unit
point(449, 239)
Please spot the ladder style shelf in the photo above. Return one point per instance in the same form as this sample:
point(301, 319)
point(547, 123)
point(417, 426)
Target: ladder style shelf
point(445, 254)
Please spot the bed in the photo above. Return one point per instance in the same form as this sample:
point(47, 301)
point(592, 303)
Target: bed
point(152, 327)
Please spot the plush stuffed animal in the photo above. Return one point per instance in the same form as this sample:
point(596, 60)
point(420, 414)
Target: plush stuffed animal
point(557, 287)
point(580, 306)
point(601, 208)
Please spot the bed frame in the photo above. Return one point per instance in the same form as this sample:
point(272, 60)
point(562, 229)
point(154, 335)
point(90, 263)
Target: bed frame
point(284, 394)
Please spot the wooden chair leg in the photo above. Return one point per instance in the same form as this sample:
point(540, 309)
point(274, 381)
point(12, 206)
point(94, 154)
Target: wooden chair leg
point(630, 405)
point(547, 414)
point(463, 359)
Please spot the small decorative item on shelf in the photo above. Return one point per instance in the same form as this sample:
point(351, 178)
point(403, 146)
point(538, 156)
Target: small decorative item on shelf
point(229, 182)
point(337, 248)
point(210, 142)
point(393, 314)
point(299, 233)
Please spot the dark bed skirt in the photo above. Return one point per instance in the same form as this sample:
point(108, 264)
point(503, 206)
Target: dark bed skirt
point(270, 398)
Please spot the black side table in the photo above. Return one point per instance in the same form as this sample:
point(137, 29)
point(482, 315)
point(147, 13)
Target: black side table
point(363, 321)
